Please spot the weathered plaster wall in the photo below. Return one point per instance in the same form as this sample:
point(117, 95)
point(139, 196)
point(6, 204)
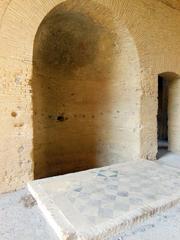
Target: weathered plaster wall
point(150, 27)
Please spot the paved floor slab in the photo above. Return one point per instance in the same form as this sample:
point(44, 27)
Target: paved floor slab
point(101, 203)
point(21, 221)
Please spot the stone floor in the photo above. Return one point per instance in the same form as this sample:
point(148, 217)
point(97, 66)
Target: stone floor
point(20, 219)
point(101, 203)
point(170, 159)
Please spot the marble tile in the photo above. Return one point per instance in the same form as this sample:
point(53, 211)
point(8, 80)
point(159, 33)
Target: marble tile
point(98, 201)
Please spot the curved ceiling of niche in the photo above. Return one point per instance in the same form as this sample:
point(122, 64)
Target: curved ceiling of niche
point(170, 75)
point(172, 3)
point(111, 5)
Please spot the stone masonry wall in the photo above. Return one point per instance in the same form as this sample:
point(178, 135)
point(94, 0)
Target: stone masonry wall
point(111, 100)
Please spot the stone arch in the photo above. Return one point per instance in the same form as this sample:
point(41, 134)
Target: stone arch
point(90, 57)
point(18, 29)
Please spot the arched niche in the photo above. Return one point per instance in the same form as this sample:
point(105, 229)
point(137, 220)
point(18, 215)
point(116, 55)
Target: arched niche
point(85, 103)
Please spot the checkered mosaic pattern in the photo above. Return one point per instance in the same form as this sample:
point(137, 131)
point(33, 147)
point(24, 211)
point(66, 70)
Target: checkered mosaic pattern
point(113, 191)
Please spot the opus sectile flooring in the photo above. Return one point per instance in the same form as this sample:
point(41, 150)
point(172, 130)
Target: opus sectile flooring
point(100, 203)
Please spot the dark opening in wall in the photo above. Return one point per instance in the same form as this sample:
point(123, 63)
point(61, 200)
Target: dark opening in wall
point(168, 118)
point(162, 117)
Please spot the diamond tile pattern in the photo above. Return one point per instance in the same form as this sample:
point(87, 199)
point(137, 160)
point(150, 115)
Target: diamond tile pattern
point(98, 196)
point(112, 192)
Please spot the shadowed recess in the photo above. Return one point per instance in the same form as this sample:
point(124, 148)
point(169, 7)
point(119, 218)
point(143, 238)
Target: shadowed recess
point(80, 63)
point(69, 40)
point(73, 55)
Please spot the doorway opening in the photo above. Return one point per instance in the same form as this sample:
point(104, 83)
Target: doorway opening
point(162, 117)
point(168, 117)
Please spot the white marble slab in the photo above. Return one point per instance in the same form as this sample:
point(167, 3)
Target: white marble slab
point(100, 203)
